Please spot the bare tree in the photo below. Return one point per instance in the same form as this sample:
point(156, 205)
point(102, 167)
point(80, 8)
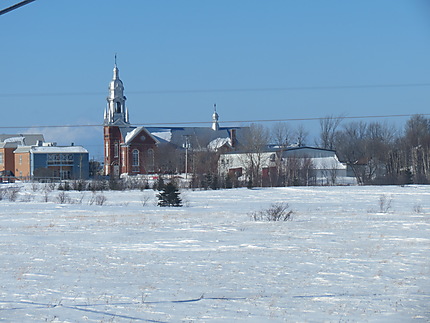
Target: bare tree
point(367, 148)
point(281, 134)
point(255, 144)
point(301, 135)
point(417, 142)
point(329, 126)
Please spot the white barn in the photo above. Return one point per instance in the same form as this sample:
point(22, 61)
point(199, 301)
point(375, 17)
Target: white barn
point(322, 165)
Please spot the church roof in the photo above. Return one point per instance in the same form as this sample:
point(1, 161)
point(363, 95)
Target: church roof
point(135, 132)
point(197, 137)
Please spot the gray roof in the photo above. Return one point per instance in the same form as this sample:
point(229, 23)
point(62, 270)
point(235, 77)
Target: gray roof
point(52, 149)
point(8, 144)
point(21, 139)
point(198, 137)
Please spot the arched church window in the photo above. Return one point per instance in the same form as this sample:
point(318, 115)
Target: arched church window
point(135, 157)
point(116, 150)
point(118, 107)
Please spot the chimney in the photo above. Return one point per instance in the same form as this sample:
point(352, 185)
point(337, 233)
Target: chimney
point(233, 139)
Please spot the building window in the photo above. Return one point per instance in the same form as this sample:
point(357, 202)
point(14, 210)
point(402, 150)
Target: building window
point(151, 160)
point(20, 159)
point(116, 150)
point(1, 158)
point(135, 157)
point(107, 149)
point(123, 158)
point(59, 159)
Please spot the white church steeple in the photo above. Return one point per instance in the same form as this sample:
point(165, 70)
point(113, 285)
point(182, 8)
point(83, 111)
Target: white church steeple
point(215, 117)
point(116, 111)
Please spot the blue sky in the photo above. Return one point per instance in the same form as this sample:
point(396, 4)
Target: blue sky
point(257, 60)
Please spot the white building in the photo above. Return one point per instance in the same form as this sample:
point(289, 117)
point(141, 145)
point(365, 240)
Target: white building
point(317, 166)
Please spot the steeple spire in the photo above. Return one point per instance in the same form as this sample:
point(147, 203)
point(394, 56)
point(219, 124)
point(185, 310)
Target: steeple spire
point(215, 117)
point(116, 112)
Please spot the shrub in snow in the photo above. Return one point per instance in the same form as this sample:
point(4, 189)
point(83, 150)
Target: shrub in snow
point(34, 187)
point(64, 186)
point(63, 198)
point(11, 193)
point(100, 199)
point(116, 184)
point(145, 200)
point(27, 198)
point(97, 185)
point(45, 194)
point(97, 199)
point(79, 185)
point(169, 196)
point(418, 209)
point(384, 204)
point(276, 212)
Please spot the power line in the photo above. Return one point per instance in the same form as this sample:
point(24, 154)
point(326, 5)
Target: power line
point(15, 6)
point(270, 89)
point(159, 124)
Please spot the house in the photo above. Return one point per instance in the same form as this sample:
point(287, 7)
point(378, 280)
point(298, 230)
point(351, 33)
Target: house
point(8, 144)
point(284, 166)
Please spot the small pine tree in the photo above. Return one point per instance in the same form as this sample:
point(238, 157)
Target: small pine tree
point(169, 196)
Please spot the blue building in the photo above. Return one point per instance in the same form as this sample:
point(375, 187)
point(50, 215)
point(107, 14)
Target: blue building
point(50, 161)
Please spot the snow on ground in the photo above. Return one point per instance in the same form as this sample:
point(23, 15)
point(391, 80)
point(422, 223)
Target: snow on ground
point(344, 256)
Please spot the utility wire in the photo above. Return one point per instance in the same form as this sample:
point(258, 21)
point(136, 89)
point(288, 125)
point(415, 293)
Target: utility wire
point(167, 124)
point(271, 89)
point(15, 6)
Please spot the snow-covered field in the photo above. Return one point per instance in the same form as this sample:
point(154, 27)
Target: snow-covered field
point(344, 256)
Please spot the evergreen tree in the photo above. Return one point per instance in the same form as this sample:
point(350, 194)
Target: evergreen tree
point(169, 196)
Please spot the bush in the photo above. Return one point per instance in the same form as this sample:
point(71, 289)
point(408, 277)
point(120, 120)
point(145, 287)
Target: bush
point(384, 204)
point(276, 212)
point(97, 199)
point(100, 199)
point(11, 193)
point(63, 198)
point(169, 196)
point(79, 185)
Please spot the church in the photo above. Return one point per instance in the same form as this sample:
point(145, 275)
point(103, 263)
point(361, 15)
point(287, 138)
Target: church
point(130, 150)
point(127, 149)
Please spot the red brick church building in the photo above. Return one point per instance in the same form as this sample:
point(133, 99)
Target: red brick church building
point(127, 149)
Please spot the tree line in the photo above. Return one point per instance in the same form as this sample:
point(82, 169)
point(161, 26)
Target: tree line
point(380, 153)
